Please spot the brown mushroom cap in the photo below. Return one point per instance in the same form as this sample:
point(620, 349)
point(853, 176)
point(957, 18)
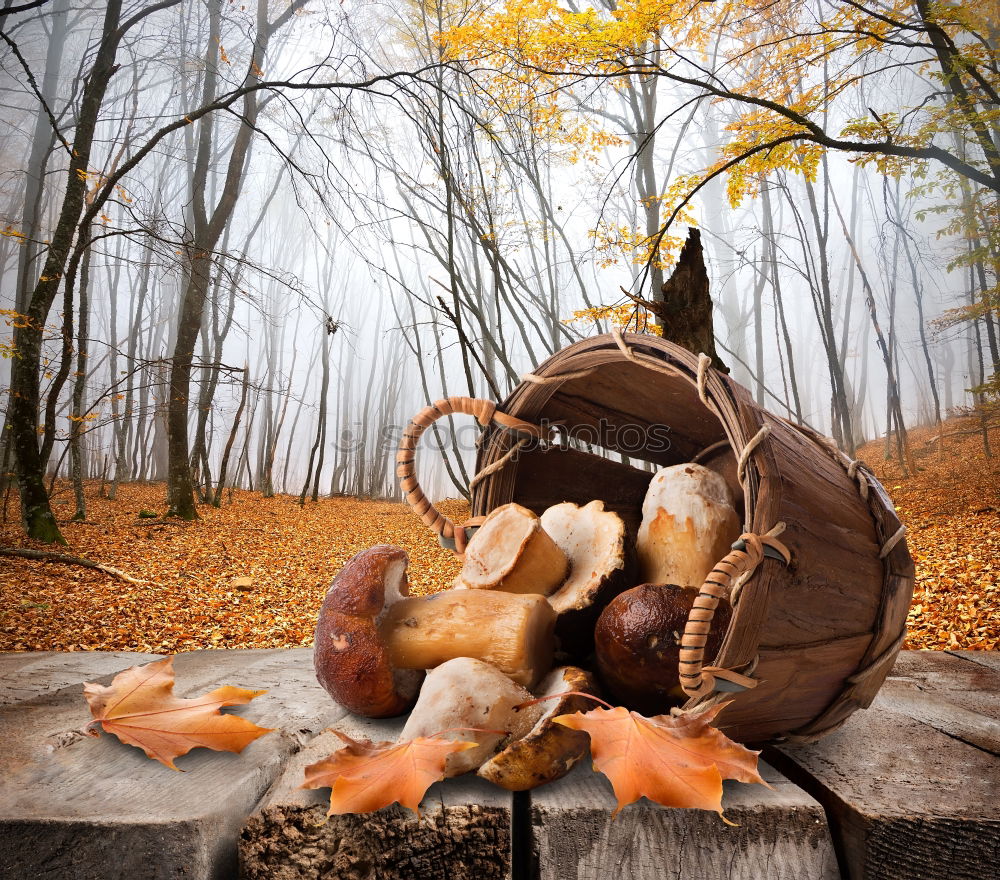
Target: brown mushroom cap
point(351, 661)
point(467, 693)
point(638, 644)
point(549, 750)
point(511, 552)
point(600, 567)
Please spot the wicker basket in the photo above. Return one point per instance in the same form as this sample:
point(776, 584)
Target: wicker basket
point(810, 641)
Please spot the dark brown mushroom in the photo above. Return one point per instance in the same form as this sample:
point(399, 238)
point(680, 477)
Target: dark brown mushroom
point(638, 644)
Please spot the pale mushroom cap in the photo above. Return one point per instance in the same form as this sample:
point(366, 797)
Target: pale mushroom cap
point(593, 540)
point(469, 693)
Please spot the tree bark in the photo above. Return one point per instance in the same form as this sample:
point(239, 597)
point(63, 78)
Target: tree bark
point(36, 514)
point(685, 312)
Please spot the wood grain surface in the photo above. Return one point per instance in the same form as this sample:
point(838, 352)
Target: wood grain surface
point(463, 832)
point(72, 806)
point(912, 785)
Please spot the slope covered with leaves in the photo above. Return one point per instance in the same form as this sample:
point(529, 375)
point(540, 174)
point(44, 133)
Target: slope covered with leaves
point(951, 509)
point(193, 598)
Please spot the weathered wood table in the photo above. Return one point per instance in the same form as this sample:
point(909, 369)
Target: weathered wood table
point(908, 789)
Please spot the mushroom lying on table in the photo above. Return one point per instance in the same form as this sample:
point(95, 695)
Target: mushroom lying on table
point(373, 640)
point(638, 644)
point(548, 751)
point(518, 746)
point(467, 693)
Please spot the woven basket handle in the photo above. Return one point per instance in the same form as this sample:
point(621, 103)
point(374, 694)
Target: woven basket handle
point(698, 680)
point(485, 412)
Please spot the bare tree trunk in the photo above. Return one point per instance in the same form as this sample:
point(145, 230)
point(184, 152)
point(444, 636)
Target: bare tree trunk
point(77, 409)
point(42, 140)
point(223, 467)
point(892, 387)
point(36, 514)
point(779, 304)
point(207, 233)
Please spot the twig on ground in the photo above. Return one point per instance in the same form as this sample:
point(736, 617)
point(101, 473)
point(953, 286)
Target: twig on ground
point(65, 559)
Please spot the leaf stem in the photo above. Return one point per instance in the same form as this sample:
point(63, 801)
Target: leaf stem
point(538, 700)
point(473, 729)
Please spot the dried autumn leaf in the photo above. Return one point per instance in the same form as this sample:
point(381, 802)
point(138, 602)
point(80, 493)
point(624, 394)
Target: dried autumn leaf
point(139, 707)
point(365, 776)
point(675, 761)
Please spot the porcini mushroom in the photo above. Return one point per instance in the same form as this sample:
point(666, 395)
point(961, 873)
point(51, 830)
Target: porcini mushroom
point(511, 552)
point(511, 631)
point(688, 524)
point(600, 567)
point(638, 644)
point(467, 693)
point(351, 661)
point(549, 750)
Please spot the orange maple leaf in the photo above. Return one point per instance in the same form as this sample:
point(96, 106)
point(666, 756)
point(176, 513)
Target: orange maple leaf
point(139, 707)
point(675, 761)
point(365, 776)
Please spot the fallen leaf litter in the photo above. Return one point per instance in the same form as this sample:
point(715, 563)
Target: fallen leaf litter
point(253, 573)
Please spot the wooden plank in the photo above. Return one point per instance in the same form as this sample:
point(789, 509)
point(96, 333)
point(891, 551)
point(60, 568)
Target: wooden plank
point(29, 674)
point(956, 696)
point(74, 806)
point(463, 832)
point(781, 834)
point(989, 659)
point(796, 684)
point(910, 786)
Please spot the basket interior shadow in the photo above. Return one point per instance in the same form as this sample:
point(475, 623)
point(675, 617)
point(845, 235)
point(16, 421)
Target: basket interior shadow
point(818, 636)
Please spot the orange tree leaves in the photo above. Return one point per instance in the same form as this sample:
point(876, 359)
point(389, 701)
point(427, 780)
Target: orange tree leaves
point(675, 761)
point(139, 707)
point(365, 776)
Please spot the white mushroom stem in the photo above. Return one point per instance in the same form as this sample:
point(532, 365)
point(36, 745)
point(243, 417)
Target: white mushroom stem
point(513, 632)
point(512, 552)
point(467, 693)
point(688, 524)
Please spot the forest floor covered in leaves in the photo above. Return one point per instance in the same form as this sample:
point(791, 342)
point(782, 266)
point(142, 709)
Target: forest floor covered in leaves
point(196, 595)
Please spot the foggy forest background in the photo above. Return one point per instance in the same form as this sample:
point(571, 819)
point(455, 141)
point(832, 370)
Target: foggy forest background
point(375, 229)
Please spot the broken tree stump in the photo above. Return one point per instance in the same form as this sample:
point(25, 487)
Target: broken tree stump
point(463, 832)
